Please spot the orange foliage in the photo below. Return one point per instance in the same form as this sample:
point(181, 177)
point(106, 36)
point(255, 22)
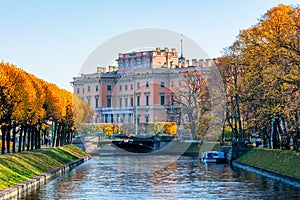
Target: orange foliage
point(28, 100)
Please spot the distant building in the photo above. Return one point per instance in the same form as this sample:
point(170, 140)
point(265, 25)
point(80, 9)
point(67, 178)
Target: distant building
point(138, 89)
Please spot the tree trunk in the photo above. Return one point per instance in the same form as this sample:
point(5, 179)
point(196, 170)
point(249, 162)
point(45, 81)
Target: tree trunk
point(54, 134)
point(24, 137)
point(58, 133)
point(64, 138)
point(297, 132)
point(69, 136)
point(275, 135)
point(223, 135)
point(14, 137)
point(265, 131)
point(61, 139)
point(8, 139)
point(32, 135)
point(3, 130)
point(36, 133)
point(233, 121)
point(28, 137)
point(35, 136)
point(240, 128)
point(20, 138)
point(39, 130)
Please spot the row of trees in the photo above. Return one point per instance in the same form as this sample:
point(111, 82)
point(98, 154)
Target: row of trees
point(29, 106)
point(127, 128)
point(261, 72)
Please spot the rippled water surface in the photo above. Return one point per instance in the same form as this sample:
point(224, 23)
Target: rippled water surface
point(161, 177)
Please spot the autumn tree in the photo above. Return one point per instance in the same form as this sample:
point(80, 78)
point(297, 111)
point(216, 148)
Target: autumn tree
point(231, 72)
point(266, 59)
point(193, 99)
point(6, 106)
point(28, 104)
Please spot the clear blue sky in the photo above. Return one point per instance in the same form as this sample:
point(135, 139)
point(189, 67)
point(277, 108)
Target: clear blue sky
point(51, 39)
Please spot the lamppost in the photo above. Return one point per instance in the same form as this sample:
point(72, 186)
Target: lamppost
point(156, 128)
point(119, 120)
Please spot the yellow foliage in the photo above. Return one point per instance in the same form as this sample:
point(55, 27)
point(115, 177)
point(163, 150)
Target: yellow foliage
point(10, 144)
point(170, 128)
point(26, 99)
point(162, 127)
point(261, 73)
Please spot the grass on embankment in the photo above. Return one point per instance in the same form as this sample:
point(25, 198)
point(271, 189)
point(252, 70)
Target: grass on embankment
point(284, 162)
point(16, 168)
point(207, 146)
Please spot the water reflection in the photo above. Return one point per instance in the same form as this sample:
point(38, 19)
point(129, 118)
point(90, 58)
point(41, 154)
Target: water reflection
point(159, 177)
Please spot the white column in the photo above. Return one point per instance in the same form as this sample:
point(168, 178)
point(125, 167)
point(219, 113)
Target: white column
point(109, 118)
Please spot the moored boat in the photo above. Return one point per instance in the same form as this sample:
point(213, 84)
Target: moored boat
point(212, 157)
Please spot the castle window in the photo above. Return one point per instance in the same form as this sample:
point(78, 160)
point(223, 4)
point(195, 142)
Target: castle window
point(108, 102)
point(131, 101)
point(96, 102)
point(120, 102)
point(138, 100)
point(147, 100)
point(162, 99)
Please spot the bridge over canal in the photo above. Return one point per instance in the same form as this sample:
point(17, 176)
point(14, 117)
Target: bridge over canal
point(95, 145)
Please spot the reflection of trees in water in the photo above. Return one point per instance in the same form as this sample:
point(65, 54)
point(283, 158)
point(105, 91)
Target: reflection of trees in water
point(165, 180)
point(159, 177)
point(166, 175)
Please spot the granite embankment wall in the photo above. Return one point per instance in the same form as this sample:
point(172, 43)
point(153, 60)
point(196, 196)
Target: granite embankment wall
point(276, 176)
point(16, 191)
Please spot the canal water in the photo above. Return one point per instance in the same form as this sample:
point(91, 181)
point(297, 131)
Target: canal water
point(160, 177)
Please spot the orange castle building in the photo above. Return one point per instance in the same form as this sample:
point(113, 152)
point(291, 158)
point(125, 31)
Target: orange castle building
point(137, 90)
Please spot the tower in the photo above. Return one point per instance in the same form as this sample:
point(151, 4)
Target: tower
point(181, 58)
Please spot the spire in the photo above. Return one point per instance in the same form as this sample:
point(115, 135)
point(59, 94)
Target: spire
point(181, 46)
point(181, 58)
